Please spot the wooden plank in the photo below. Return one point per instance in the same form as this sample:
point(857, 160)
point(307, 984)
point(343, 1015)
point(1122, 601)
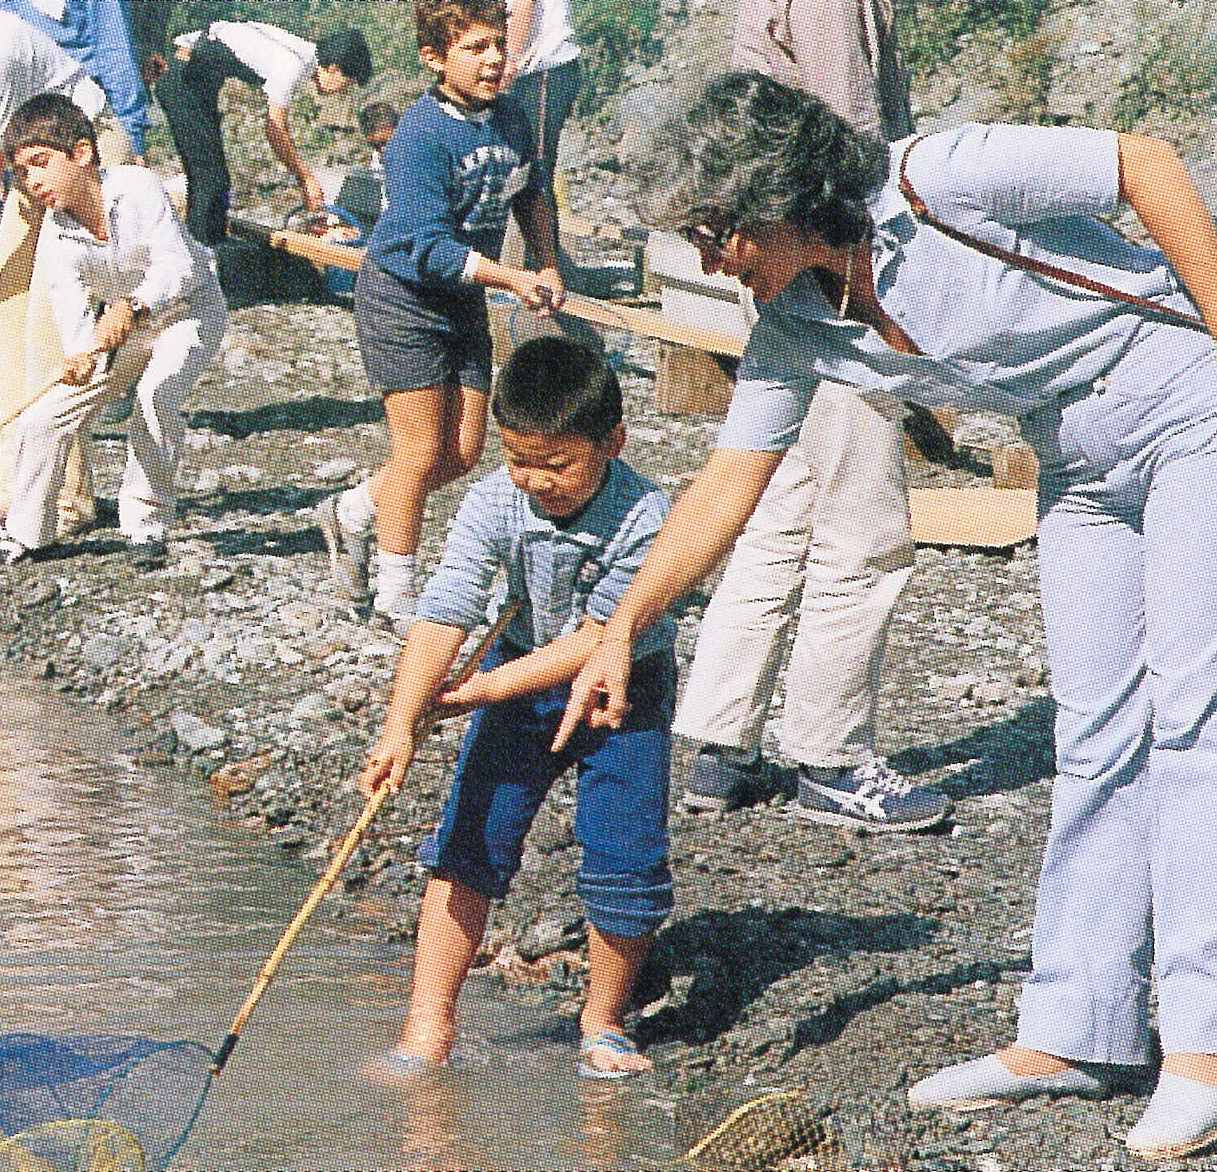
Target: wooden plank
point(978, 518)
point(610, 315)
point(692, 382)
point(1015, 466)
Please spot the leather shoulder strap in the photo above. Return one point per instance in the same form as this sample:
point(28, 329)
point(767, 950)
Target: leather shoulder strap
point(919, 209)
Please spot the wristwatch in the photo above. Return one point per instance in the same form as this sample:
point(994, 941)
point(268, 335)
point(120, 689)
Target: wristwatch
point(139, 311)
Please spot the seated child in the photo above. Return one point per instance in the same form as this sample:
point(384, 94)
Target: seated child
point(569, 523)
point(460, 161)
point(127, 286)
point(377, 121)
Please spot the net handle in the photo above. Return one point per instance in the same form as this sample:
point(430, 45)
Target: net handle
point(322, 888)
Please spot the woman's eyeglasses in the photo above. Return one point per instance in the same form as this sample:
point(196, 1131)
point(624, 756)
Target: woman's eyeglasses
point(705, 238)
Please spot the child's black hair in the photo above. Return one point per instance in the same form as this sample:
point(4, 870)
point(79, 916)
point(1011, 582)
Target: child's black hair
point(440, 23)
point(347, 49)
point(555, 386)
point(48, 120)
point(378, 116)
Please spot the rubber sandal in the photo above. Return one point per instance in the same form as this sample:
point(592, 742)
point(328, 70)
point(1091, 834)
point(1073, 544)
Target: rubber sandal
point(614, 1043)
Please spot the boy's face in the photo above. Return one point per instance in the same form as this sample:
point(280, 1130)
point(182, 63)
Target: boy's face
point(560, 473)
point(56, 179)
point(329, 79)
point(471, 70)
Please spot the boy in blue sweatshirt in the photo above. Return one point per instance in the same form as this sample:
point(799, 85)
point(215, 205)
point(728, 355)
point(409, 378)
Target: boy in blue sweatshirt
point(569, 524)
point(460, 161)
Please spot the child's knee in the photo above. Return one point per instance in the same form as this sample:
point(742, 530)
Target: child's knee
point(627, 905)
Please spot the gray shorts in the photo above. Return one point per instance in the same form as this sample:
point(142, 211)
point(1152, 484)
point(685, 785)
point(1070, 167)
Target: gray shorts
point(412, 337)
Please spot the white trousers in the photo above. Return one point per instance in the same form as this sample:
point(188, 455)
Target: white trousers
point(829, 546)
point(162, 360)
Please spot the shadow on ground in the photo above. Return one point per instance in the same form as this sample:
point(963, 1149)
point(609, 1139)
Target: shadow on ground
point(1005, 756)
point(733, 957)
point(317, 413)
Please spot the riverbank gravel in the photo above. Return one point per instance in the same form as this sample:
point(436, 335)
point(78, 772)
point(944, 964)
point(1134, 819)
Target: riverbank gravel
point(799, 955)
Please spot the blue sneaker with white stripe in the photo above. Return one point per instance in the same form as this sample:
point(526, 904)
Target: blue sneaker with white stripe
point(871, 796)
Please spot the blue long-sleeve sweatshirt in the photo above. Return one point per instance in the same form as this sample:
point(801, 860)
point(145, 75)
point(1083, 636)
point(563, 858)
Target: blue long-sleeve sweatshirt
point(451, 177)
point(97, 33)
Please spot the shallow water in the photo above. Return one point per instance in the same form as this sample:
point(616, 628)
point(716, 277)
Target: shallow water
point(128, 906)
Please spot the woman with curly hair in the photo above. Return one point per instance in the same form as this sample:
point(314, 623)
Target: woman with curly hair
point(861, 282)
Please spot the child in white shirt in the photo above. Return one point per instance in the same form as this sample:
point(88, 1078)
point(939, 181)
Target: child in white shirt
point(137, 305)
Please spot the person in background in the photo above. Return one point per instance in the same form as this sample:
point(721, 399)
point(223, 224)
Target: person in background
point(459, 164)
point(543, 73)
point(568, 522)
point(257, 54)
point(828, 549)
point(137, 306)
point(377, 121)
point(97, 33)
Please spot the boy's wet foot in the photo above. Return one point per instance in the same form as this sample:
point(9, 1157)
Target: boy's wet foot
point(398, 1067)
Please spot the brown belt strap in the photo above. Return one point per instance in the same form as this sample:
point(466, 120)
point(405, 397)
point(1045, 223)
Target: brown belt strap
point(923, 213)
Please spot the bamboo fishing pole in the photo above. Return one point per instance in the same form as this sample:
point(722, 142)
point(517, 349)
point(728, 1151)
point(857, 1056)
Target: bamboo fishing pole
point(7, 415)
point(321, 889)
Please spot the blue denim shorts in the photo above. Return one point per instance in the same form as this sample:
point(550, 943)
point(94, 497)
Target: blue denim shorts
point(506, 768)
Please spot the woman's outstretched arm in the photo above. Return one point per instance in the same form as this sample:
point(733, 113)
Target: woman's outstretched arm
point(701, 528)
point(1156, 184)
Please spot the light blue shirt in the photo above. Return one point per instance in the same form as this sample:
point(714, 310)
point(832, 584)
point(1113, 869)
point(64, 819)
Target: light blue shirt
point(564, 572)
point(992, 337)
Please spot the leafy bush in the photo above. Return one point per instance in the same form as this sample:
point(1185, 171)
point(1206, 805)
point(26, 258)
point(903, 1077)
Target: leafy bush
point(612, 33)
point(930, 30)
point(1176, 70)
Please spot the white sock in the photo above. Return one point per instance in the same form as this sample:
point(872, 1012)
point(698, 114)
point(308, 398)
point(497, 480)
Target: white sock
point(356, 512)
point(396, 588)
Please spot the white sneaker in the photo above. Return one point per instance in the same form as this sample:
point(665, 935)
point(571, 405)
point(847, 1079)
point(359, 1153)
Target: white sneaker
point(349, 552)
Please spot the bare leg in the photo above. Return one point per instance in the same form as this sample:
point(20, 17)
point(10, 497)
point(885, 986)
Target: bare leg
point(615, 964)
point(464, 435)
point(450, 929)
point(1028, 1063)
point(399, 489)
point(436, 435)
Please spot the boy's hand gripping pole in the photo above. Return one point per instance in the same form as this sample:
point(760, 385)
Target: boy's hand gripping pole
point(426, 723)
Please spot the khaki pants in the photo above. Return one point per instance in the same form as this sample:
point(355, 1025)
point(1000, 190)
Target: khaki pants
point(828, 548)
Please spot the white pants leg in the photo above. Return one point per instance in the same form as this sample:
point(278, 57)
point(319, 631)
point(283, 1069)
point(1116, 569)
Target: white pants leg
point(1126, 561)
point(162, 359)
point(178, 355)
point(40, 439)
point(830, 543)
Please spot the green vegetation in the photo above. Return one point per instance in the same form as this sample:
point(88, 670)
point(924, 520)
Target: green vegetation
point(930, 30)
point(612, 34)
point(1024, 87)
point(1176, 70)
